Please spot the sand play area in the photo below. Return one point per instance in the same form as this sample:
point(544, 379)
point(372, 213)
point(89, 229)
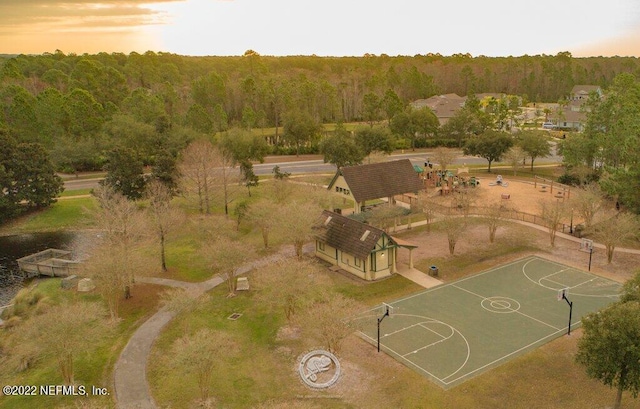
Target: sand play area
point(518, 194)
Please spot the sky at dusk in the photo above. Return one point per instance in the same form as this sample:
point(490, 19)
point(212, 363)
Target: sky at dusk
point(325, 28)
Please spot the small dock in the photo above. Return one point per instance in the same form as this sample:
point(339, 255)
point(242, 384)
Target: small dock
point(49, 262)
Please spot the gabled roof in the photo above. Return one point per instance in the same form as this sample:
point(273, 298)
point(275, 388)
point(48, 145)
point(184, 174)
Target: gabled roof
point(583, 91)
point(377, 180)
point(443, 106)
point(346, 234)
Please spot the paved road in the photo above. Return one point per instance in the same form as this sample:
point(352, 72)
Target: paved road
point(318, 166)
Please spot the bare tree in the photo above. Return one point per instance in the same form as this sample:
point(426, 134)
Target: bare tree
point(328, 319)
point(198, 354)
point(464, 201)
point(62, 332)
point(197, 165)
point(384, 217)
point(614, 229)
point(296, 219)
point(282, 190)
point(453, 227)
point(552, 213)
point(515, 157)
point(588, 202)
point(179, 300)
point(115, 261)
point(493, 219)
point(427, 207)
point(227, 178)
point(225, 256)
point(288, 286)
point(163, 216)
point(261, 215)
point(444, 157)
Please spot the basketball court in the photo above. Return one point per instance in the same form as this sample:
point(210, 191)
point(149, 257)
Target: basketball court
point(456, 331)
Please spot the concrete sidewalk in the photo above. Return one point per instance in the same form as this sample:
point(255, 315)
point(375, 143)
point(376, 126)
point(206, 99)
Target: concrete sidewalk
point(130, 373)
point(418, 277)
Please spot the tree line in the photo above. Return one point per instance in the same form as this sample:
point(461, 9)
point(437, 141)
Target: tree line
point(66, 101)
point(84, 110)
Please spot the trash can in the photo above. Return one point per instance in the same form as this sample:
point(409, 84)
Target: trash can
point(433, 271)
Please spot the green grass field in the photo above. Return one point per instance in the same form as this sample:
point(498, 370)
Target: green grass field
point(456, 331)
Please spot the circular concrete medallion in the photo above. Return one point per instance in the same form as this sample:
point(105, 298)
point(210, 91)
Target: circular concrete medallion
point(319, 369)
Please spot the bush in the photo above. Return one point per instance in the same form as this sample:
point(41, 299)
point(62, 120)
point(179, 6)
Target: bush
point(403, 143)
point(436, 142)
point(291, 150)
point(569, 179)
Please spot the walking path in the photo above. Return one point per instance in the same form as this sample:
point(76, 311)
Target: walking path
point(130, 372)
point(131, 386)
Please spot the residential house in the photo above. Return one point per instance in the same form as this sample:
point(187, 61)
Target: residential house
point(574, 114)
point(357, 247)
point(376, 181)
point(443, 106)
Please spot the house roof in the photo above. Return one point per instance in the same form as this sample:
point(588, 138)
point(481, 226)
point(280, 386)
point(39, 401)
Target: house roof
point(585, 89)
point(347, 234)
point(572, 116)
point(443, 106)
point(385, 179)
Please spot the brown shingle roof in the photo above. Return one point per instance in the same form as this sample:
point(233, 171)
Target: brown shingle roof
point(344, 234)
point(377, 180)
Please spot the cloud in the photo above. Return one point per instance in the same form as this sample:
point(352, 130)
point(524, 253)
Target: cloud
point(95, 13)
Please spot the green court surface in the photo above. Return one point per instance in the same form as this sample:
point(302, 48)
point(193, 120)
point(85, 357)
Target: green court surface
point(456, 331)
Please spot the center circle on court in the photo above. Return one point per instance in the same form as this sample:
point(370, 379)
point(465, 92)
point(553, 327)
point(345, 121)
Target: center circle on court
point(500, 305)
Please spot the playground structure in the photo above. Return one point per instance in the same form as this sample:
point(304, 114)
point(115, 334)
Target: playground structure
point(448, 181)
point(499, 182)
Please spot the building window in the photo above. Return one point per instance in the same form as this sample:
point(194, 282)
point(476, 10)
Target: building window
point(357, 262)
point(321, 246)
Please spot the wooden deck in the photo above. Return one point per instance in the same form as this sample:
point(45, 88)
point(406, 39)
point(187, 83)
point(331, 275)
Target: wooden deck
point(49, 262)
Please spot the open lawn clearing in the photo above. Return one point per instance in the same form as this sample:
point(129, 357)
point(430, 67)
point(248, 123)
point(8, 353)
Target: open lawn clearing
point(69, 214)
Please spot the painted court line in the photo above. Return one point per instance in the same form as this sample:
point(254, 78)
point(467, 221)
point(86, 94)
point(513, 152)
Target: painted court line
point(516, 311)
point(431, 344)
point(408, 360)
point(551, 275)
point(425, 347)
point(436, 332)
point(502, 358)
point(459, 281)
point(400, 330)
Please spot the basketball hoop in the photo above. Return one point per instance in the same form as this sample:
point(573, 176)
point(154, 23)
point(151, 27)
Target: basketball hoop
point(586, 245)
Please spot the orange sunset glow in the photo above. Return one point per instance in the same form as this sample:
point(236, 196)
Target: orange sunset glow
point(330, 27)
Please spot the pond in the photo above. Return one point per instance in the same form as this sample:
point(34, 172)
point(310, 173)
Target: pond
point(17, 246)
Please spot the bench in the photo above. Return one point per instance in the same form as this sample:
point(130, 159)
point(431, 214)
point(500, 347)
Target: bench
point(242, 284)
